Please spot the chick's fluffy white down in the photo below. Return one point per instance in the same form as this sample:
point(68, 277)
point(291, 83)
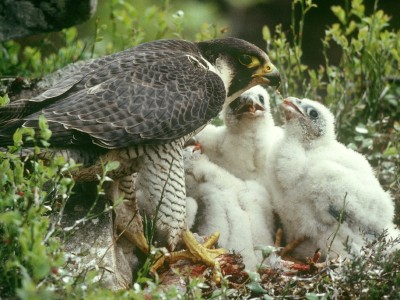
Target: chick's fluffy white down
point(317, 178)
point(239, 210)
point(243, 144)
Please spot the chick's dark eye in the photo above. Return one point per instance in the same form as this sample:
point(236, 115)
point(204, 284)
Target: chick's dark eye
point(245, 59)
point(261, 98)
point(313, 113)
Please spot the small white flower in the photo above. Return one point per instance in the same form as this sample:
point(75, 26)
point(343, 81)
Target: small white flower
point(178, 14)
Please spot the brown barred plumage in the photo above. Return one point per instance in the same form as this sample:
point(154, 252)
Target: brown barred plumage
point(137, 107)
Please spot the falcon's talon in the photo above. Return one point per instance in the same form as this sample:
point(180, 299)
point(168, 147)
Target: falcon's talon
point(198, 147)
point(201, 252)
point(291, 246)
point(196, 251)
point(278, 238)
point(212, 240)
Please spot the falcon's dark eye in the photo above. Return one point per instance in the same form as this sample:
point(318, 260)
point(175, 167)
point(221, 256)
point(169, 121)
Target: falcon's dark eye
point(249, 61)
point(245, 59)
point(261, 98)
point(313, 113)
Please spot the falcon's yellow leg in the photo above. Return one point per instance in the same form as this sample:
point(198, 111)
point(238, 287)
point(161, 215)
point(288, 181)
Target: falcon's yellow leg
point(133, 231)
point(129, 222)
point(127, 218)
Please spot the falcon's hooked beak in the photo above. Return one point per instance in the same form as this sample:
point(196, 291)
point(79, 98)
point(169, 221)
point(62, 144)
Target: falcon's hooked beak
point(291, 108)
point(268, 74)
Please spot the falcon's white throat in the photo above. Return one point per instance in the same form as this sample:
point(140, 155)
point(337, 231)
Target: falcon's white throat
point(223, 70)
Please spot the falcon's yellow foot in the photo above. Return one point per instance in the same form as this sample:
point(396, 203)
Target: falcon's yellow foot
point(203, 252)
point(197, 252)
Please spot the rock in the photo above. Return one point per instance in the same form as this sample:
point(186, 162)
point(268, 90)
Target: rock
point(19, 18)
point(95, 244)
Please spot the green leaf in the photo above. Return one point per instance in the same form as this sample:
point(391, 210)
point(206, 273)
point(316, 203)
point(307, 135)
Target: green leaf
point(367, 143)
point(312, 296)
point(357, 8)
point(265, 250)
point(254, 276)
point(390, 151)
point(40, 265)
point(20, 133)
point(351, 27)
point(11, 217)
point(360, 128)
point(266, 33)
point(4, 100)
point(256, 287)
point(339, 13)
point(70, 34)
point(112, 165)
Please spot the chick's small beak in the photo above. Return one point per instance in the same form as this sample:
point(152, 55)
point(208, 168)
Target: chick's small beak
point(290, 108)
point(269, 75)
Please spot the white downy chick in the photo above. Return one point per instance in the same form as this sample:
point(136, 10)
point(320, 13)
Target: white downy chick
point(240, 210)
point(320, 180)
point(242, 145)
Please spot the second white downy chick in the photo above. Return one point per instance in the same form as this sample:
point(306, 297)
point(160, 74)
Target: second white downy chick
point(239, 210)
point(321, 182)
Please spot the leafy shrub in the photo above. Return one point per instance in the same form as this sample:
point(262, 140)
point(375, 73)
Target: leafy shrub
point(30, 192)
point(117, 25)
point(35, 61)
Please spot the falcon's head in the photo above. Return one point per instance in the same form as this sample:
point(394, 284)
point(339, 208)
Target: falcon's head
point(250, 106)
point(240, 64)
point(308, 120)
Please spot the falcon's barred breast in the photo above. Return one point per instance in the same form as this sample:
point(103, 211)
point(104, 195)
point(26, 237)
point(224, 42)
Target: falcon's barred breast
point(138, 106)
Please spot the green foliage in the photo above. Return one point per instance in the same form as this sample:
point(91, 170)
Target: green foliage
point(362, 90)
point(29, 192)
point(130, 24)
point(37, 61)
point(117, 25)
point(33, 193)
point(374, 274)
point(360, 86)
point(369, 60)
point(4, 100)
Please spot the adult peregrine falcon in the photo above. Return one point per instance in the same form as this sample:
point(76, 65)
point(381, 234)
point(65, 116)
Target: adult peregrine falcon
point(138, 107)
